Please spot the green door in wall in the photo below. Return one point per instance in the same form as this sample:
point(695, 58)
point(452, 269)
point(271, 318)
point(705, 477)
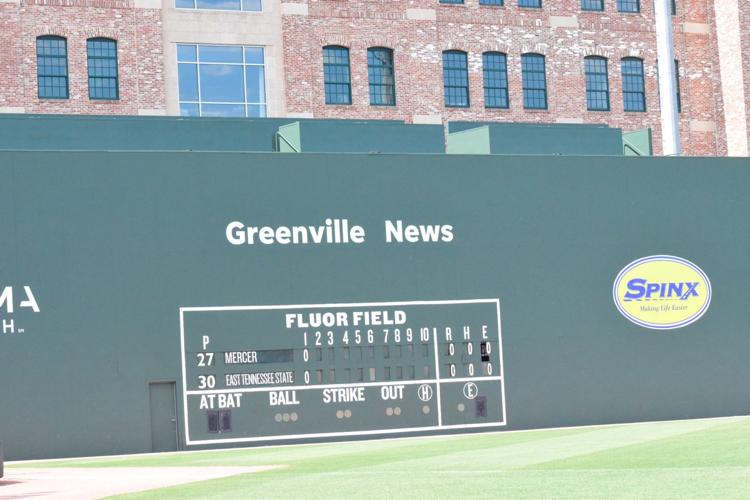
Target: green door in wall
point(163, 416)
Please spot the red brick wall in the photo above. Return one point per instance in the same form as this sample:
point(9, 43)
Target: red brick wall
point(417, 45)
point(700, 79)
point(745, 44)
point(139, 49)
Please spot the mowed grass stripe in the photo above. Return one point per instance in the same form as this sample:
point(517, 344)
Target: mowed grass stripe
point(724, 445)
point(355, 453)
point(685, 459)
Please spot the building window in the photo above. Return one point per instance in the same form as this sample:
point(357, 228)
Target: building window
point(497, 3)
point(495, 68)
point(674, 7)
point(534, 81)
point(628, 5)
point(221, 80)
point(246, 5)
point(597, 83)
point(336, 76)
point(677, 85)
point(102, 65)
point(592, 5)
point(456, 79)
point(452, 1)
point(530, 3)
point(380, 73)
point(633, 87)
point(52, 67)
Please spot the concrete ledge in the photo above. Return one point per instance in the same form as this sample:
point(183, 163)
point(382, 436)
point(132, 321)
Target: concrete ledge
point(563, 22)
point(699, 28)
point(702, 126)
point(152, 112)
point(299, 115)
point(294, 9)
point(17, 2)
point(12, 109)
point(149, 4)
point(427, 119)
point(421, 14)
point(569, 120)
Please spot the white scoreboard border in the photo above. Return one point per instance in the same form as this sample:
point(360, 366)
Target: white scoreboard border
point(436, 380)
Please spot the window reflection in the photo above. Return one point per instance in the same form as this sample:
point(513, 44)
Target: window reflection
point(221, 80)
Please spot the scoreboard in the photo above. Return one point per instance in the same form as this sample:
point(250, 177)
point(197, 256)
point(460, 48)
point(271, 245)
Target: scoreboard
point(262, 373)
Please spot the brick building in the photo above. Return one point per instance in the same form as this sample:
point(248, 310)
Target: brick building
point(421, 61)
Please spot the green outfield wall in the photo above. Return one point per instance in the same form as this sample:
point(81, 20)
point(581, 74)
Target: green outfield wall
point(159, 300)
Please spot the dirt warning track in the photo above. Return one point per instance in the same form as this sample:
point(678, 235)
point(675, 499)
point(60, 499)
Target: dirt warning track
point(98, 482)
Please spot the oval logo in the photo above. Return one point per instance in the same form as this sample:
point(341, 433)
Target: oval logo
point(662, 292)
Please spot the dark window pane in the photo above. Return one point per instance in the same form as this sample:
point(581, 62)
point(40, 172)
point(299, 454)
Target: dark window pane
point(381, 77)
point(592, 4)
point(336, 77)
point(102, 67)
point(530, 3)
point(52, 67)
point(597, 84)
point(491, 2)
point(633, 88)
point(456, 78)
point(629, 5)
point(494, 66)
point(677, 83)
point(534, 79)
point(452, 1)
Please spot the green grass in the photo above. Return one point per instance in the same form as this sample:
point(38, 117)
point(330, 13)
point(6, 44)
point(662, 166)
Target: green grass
point(685, 459)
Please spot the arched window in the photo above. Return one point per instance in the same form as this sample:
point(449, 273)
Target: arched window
point(381, 76)
point(336, 75)
point(495, 69)
point(633, 86)
point(102, 65)
point(534, 77)
point(597, 83)
point(456, 79)
point(52, 67)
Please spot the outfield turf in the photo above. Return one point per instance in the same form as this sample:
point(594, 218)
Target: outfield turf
point(684, 459)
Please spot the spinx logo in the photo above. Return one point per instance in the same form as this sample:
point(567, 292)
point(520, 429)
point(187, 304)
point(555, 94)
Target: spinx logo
point(639, 288)
point(7, 300)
